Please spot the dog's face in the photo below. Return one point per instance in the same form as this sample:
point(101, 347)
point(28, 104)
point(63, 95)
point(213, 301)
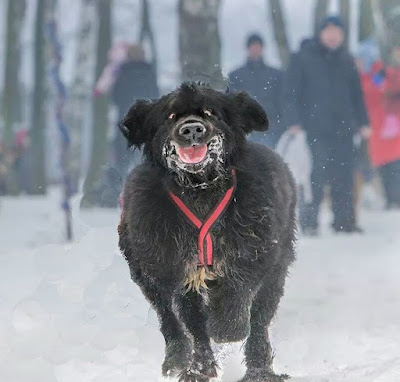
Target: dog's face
point(194, 131)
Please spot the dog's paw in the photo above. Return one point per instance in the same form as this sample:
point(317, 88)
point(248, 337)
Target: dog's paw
point(177, 358)
point(199, 372)
point(259, 375)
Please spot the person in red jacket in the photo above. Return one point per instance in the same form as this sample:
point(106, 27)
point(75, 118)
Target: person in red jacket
point(382, 93)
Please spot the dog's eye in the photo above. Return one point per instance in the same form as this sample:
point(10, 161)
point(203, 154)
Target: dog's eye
point(208, 112)
point(172, 116)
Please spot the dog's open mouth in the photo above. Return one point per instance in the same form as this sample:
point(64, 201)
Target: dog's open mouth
point(192, 154)
point(196, 158)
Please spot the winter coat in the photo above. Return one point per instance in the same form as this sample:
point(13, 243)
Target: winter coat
point(392, 90)
point(380, 94)
point(322, 92)
point(136, 79)
point(263, 83)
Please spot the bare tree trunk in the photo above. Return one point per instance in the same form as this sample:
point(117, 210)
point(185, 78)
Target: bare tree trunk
point(38, 117)
point(367, 26)
point(147, 32)
point(11, 105)
point(100, 107)
point(387, 20)
point(345, 10)
point(280, 31)
point(80, 99)
point(199, 41)
point(321, 10)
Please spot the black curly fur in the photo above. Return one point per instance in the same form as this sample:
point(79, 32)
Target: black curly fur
point(253, 241)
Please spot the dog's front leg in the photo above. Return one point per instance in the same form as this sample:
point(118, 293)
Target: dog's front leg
point(193, 314)
point(178, 347)
point(258, 349)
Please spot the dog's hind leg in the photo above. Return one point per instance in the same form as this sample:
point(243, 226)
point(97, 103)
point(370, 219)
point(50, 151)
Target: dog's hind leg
point(258, 351)
point(178, 347)
point(192, 311)
point(229, 312)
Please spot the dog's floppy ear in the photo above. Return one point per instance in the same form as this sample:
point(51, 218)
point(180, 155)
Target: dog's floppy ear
point(252, 113)
point(133, 124)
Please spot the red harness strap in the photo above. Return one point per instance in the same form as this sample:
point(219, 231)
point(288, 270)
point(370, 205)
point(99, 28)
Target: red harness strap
point(210, 221)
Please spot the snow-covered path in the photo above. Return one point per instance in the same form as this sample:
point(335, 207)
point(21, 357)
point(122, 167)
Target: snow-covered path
point(70, 312)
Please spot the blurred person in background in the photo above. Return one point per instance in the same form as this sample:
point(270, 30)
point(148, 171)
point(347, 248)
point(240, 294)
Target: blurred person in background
point(263, 83)
point(4, 168)
point(8, 164)
point(367, 190)
point(127, 77)
point(382, 90)
point(135, 79)
point(23, 145)
point(322, 95)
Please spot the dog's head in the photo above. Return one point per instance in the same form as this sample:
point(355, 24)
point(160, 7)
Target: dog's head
point(196, 131)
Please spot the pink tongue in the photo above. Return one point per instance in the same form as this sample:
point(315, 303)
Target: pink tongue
point(193, 154)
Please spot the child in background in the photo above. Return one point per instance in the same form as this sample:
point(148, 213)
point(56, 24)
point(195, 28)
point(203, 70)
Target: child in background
point(382, 93)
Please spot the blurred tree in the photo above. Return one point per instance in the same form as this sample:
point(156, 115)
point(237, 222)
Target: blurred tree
point(280, 31)
point(199, 41)
point(38, 111)
point(345, 11)
point(100, 120)
point(11, 103)
point(367, 25)
point(80, 95)
point(321, 10)
point(387, 17)
point(146, 32)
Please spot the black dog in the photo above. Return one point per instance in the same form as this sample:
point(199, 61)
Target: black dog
point(208, 227)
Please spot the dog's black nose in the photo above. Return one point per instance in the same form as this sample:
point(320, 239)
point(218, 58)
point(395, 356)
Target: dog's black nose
point(192, 131)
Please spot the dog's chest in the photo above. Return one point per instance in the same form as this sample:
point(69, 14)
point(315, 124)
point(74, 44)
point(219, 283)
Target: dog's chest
point(240, 233)
point(204, 203)
point(234, 236)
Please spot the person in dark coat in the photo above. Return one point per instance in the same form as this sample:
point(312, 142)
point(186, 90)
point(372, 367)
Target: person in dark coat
point(263, 83)
point(322, 94)
point(136, 79)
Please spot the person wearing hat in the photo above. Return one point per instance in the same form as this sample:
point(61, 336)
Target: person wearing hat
point(322, 95)
point(263, 83)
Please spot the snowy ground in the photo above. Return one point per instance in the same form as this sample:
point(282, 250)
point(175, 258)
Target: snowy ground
point(70, 313)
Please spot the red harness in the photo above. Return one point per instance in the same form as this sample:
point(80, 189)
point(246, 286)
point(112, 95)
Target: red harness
point(210, 221)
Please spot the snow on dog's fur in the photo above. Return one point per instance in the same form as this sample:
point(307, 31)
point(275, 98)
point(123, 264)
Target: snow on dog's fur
point(192, 140)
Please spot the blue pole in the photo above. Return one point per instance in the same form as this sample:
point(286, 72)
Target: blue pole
point(61, 97)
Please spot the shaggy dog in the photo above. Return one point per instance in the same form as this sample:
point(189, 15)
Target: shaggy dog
point(208, 227)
